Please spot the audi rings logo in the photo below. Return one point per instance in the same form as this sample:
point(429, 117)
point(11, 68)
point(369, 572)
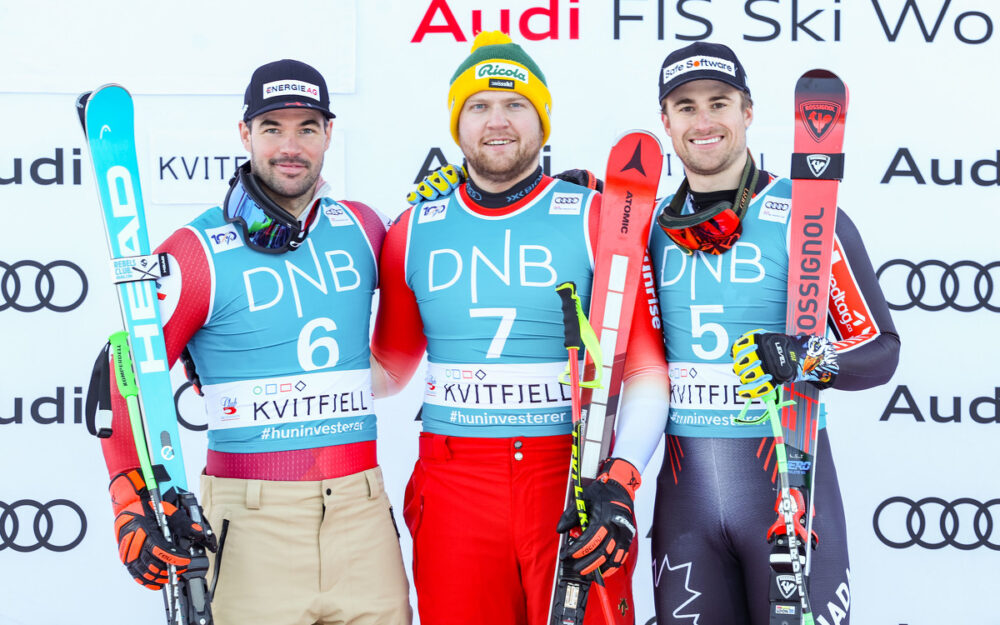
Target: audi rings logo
point(28, 525)
point(934, 285)
point(933, 523)
point(29, 286)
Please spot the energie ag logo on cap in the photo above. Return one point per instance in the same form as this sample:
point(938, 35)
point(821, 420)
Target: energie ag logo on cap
point(290, 87)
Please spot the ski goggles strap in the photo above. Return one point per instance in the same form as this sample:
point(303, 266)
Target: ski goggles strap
point(713, 229)
point(573, 317)
point(266, 226)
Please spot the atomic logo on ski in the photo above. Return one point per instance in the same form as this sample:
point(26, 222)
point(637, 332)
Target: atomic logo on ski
point(819, 117)
point(636, 161)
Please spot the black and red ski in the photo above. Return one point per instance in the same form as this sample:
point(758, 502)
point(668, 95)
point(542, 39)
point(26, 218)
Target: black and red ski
point(629, 197)
point(817, 167)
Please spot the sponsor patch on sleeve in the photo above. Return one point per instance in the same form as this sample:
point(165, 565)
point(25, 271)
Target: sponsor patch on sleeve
point(776, 209)
point(224, 238)
point(432, 211)
point(566, 204)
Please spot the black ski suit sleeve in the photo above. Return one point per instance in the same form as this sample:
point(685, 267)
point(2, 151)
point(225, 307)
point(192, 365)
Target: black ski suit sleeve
point(867, 342)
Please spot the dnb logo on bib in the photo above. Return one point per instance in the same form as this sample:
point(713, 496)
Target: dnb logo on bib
point(566, 204)
point(434, 211)
point(337, 216)
point(776, 209)
point(224, 238)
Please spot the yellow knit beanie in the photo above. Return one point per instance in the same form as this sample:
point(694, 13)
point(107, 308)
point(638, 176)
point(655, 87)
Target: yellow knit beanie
point(498, 64)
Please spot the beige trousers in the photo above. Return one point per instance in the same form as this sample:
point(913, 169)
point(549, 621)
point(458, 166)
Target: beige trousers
point(299, 553)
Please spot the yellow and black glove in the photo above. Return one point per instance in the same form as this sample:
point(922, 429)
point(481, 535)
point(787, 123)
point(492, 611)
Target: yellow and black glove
point(440, 183)
point(763, 361)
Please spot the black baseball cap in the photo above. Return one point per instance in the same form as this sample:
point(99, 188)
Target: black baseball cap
point(699, 61)
point(285, 84)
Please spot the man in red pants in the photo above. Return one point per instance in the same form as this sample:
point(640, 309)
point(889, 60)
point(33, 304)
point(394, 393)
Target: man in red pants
point(472, 278)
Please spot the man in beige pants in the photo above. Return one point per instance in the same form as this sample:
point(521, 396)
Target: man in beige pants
point(271, 297)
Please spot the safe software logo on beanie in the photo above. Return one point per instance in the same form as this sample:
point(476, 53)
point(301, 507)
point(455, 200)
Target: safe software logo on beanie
point(285, 84)
point(701, 60)
point(498, 64)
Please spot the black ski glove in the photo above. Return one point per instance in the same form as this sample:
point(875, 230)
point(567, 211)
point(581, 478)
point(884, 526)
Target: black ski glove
point(610, 504)
point(582, 177)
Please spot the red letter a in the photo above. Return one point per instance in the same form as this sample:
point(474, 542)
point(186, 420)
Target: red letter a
point(451, 25)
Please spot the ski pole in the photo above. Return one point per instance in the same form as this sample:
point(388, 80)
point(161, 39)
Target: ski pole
point(774, 401)
point(121, 356)
point(577, 330)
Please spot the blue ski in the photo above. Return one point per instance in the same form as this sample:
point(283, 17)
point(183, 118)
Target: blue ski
point(110, 134)
point(107, 116)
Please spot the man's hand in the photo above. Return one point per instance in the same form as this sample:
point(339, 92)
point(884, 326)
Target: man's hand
point(610, 502)
point(440, 183)
point(763, 361)
point(142, 547)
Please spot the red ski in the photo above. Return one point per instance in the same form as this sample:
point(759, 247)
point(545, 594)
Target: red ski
point(817, 168)
point(629, 198)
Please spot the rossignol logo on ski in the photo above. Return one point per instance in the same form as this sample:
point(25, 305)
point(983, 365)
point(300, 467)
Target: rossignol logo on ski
point(818, 163)
point(819, 117)
point(786, 585)
point(807, 295)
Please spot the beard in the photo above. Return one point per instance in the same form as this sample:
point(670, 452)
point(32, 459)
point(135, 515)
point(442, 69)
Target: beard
point(503, 169)
point(283, 188)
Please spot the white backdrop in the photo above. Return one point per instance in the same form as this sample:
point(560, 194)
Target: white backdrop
point(922, 183)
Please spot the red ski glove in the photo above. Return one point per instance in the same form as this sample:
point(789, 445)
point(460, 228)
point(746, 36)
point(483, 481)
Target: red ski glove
point(143, 549)
point(610, 500)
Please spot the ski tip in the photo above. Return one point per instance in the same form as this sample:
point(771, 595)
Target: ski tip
point(81, 108)
point(822, 81)
point(640, 133)
point(820, 73)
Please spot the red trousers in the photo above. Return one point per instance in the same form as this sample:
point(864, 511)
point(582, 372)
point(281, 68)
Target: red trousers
point(483, 513)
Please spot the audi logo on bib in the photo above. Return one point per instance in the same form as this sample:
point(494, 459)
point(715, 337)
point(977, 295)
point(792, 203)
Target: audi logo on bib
point(30, 286)
point(27, 525)
point(934, 523)
point(933, 285)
